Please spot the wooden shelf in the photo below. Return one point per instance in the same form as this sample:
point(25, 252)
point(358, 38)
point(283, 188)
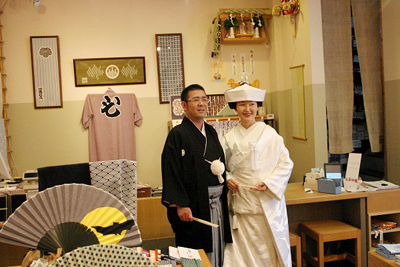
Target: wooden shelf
point(233, 118)
point(394, 230)
point(244, 40)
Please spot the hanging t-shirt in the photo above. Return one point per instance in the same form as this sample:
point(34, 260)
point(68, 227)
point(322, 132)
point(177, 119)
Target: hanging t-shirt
point(111, 119)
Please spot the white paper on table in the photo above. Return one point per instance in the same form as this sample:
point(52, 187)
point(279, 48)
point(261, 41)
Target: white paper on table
point(352, 172)
point(189, 253)
point(173, 252)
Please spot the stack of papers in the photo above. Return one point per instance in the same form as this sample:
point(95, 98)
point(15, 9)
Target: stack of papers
point(183, 253)
point(397, 260)
point(389, 251)
point(382, 185)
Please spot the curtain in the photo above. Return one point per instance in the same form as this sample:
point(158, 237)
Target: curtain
point(366, 19)
point(336, 29)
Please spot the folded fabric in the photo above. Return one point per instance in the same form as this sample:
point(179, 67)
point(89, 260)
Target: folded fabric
point(167, 263)
point(191, 263)
point(119, 178)
point(63, 174)
point(385, 254)
point(390, 248)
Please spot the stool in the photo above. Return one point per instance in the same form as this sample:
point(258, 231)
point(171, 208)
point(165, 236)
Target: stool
point(295, 241)
point(329, 231)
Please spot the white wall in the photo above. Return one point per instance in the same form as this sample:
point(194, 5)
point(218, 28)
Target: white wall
point(98, 29)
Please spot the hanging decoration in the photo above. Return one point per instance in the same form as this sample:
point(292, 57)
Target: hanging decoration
point(257, 23)
point(290, 8)
point(230, 24)
point(216, 32)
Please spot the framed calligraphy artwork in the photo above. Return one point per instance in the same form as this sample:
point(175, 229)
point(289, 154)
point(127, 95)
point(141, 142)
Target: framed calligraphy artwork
point(46, 72)
point(171, 78)
point(109, 71)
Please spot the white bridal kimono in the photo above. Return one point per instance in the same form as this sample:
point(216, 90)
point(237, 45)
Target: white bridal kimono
point(261, 238)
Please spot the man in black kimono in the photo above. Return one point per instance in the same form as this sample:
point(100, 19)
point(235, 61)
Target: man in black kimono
point(187, 177)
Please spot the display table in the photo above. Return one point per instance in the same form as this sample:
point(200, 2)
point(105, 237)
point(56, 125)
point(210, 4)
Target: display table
point(346, 207)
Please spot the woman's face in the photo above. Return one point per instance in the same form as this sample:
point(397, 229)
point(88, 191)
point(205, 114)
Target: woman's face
point(247, 111)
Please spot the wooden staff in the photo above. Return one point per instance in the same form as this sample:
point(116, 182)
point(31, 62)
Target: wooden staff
point(205, 222)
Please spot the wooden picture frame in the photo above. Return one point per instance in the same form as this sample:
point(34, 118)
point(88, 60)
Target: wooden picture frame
point(171, 77)
point(298, 102)
point(109, 71)
point(46, 71)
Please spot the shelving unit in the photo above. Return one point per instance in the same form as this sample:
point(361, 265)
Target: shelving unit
point(380, 207)
point(3, 208)
point(244, 16)
point(4, 98)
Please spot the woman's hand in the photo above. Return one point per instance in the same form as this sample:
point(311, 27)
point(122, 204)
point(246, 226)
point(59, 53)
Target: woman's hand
point(260, 187)
point(232, 184)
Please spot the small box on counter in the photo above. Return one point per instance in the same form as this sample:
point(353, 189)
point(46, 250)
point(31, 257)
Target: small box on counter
point(144, 192)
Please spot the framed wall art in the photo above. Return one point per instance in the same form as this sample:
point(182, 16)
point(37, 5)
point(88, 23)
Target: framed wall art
point(109, 71)
point(171, 79)
point(298, 104)
point(177, 111)
point(46, 72)
point(216, 105)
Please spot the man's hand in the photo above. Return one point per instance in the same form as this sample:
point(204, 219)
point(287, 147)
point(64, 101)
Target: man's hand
point(185, 213)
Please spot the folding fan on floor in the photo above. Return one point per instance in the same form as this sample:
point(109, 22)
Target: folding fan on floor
point(103, 255)
point(70, 216)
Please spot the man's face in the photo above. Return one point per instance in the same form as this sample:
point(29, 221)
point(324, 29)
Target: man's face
point(196, 106)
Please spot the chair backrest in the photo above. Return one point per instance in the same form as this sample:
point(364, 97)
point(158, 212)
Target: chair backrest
point(63, 174)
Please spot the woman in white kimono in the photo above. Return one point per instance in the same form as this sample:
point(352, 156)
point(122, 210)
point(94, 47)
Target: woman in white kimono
point(258, 170)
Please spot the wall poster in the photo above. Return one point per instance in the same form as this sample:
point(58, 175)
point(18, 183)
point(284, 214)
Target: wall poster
point(171, 78)
point(46, 72)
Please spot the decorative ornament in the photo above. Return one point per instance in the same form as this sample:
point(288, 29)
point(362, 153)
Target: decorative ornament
point(217, 168)
point(291, 7)
point(70, 216)
point(103, 255)
point(233, 84)
point(230, 24)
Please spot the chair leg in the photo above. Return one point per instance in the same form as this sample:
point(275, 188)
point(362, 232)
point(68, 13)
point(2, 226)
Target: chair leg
point(298, 254)
point(321, 251)
point(358, 250)
point(303, 249)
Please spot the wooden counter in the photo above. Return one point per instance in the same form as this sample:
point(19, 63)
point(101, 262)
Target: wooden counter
point(152, 219)
point(346, 207)
point(295, 195)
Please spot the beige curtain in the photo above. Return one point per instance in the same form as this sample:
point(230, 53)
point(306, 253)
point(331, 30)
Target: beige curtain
point(366, 19)
point(336, 26)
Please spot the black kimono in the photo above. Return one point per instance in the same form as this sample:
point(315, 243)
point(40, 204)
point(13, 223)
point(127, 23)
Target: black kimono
point(186, 177)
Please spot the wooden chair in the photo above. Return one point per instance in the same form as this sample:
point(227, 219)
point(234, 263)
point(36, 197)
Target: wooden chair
point(295, 241)
point(329, 231)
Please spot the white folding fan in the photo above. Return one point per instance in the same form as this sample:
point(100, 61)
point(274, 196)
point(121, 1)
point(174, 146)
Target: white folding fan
point(103, 255)
point(70, 216)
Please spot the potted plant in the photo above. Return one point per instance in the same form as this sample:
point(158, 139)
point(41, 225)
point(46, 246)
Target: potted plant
point(257, 22)
point(230, 25)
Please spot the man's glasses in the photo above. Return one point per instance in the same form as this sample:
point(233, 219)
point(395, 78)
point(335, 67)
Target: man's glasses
point(198, 100)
